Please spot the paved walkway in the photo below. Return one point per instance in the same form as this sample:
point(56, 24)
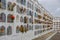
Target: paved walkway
point(43, 37)
point(56, 37)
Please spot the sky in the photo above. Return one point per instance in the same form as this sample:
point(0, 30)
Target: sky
point(53, 6)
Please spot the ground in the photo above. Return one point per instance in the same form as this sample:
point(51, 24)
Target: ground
point(56, 37)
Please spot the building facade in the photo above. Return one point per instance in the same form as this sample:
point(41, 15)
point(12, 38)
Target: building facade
point(56, 24)
point(23, 20)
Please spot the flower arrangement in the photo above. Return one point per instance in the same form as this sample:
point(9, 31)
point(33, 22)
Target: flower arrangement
point(17, 29)
point(11, 6)
point(39, 16)
point(22, 29)
point(22, 9)
point(0, 4)
point(25, 19)
point(2, 30)
point(26, 28)
point(12, 17)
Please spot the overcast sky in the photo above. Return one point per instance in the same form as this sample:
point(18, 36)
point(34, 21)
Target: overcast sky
point(53, 6)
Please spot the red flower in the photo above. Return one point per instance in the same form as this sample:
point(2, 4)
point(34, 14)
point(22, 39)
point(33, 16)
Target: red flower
point(12, 17)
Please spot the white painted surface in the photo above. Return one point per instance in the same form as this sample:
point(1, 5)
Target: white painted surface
point(19, 36)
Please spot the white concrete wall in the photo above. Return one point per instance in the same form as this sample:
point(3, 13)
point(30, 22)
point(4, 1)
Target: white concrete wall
point(20, 36)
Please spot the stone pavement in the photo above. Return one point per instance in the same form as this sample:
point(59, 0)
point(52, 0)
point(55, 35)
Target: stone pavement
point(56, 37)
point(44, 37)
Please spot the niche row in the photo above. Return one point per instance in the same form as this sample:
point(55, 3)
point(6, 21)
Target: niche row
point(21, 28)
point(41, 28)
point(41, 31)
point(11, 18)
point(11, 6)
point(24, 28)
point(4, 31)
